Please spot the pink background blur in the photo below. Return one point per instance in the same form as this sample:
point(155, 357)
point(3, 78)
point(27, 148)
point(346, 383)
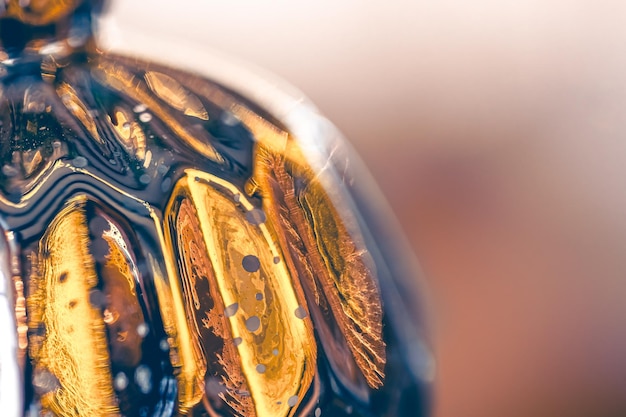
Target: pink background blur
point(497, 130)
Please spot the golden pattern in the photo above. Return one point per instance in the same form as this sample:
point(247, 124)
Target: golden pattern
point(185, 356)
point(79, 110)
point(208, 310)
point(276, 352)
point(240, 253)
point(117, 77)
point(129, 132)
point(123, 315)
point(68, 345)
point(39, 12)
point(337, 270)
point(173, 93)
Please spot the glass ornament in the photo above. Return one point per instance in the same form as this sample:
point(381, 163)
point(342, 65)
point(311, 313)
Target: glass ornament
point(173, 246)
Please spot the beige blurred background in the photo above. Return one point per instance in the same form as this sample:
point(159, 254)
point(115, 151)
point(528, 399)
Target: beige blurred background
point(497, 130)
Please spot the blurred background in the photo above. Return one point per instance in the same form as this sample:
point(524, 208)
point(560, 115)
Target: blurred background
point(497, 131)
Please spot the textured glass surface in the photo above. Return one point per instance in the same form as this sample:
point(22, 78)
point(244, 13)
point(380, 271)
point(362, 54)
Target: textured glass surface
point(172, 248)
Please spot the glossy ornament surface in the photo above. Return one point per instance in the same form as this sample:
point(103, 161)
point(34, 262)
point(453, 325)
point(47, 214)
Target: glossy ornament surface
point(170, 247)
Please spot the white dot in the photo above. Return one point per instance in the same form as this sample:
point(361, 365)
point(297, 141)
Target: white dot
point(165, 185)
point(9, 171)
point(143, 378)
point(300, 312)
point(75, 41)
point(140, 108)
point(214, 387)
point(253, 323)
point(256, 216)
point(292, 401)
point(229, 119)
point(80, 162)
point(318, 412)
point(142, 330)
point(120, 382)
point(145, 117)
point(231, 310)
